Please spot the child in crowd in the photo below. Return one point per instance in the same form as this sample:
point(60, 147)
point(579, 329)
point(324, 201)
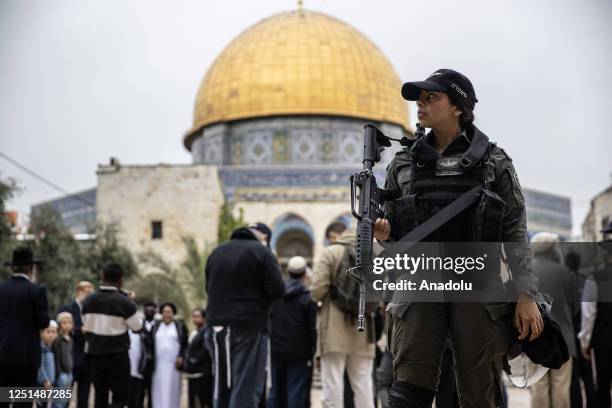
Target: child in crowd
point(62, 350)
point(46, 371)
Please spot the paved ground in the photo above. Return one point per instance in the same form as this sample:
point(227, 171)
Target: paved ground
point(517, 398)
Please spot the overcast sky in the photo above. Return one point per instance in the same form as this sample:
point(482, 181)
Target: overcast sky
point(84, 80)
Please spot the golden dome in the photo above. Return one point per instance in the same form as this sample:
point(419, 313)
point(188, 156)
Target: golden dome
point(299, 62)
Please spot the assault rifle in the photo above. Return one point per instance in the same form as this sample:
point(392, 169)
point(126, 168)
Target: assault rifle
point(371, 199)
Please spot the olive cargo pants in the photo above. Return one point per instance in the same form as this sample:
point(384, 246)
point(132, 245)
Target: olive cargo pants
point(418, 337)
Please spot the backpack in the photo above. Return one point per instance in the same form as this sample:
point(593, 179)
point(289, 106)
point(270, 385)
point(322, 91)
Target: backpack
point(344, 290)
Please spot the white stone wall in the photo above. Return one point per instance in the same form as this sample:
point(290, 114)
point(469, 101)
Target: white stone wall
point(186, 198)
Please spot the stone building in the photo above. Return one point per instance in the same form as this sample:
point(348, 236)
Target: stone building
point(281, 113)
point(277, 130)
point(156, 206)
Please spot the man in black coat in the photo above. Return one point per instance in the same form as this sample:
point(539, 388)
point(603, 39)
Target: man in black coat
point(80, 369)
point(242, 279)
point(23, 313)
point(197, 364)
point(596, 326)
point(559, 282)
point(293, 338)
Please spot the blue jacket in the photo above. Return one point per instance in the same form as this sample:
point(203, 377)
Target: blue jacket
point(46, 371)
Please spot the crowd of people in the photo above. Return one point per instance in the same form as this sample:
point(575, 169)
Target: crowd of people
point(262, 335)
point(131, 358)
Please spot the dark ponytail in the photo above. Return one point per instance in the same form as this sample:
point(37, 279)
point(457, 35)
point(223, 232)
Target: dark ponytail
point(467, 110)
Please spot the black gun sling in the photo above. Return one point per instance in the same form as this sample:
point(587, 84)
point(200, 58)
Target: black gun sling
point(437, 220)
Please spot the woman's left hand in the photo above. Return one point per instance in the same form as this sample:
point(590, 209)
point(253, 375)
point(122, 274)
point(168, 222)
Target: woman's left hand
point(179, 362)
point(527, 318)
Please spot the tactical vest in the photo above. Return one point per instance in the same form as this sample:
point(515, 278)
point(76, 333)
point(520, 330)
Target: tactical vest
point(435, 182)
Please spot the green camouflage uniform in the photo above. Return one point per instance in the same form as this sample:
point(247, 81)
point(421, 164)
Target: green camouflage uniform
point(480, 333)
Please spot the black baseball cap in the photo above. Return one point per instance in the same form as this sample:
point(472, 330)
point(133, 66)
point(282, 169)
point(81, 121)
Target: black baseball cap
point(261, 227)
point(264, 229)
point(443, 80)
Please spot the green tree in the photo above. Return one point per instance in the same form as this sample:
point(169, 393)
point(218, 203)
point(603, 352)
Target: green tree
point(68, 261)
point(228, 223)
point(158, 282)
point(105, 249)
point(194, 268)
point(63, 265)
point(8, 189)
point(183, 285)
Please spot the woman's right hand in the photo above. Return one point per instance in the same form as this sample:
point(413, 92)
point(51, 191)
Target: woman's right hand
point(382, 229)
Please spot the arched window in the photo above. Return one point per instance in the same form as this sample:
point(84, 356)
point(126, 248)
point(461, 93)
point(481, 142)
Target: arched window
point(292, 236)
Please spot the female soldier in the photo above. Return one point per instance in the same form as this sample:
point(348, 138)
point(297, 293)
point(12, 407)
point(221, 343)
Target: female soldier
point(446, 162)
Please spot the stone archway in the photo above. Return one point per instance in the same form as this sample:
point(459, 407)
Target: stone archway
point(292, 236)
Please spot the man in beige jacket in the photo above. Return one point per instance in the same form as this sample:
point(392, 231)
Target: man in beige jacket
point(341, 346)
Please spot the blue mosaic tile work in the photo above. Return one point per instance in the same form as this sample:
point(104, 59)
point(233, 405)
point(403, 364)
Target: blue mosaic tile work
point(286, 140)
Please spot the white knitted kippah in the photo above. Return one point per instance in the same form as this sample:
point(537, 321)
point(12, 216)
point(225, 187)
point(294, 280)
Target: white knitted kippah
point(297, 264)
